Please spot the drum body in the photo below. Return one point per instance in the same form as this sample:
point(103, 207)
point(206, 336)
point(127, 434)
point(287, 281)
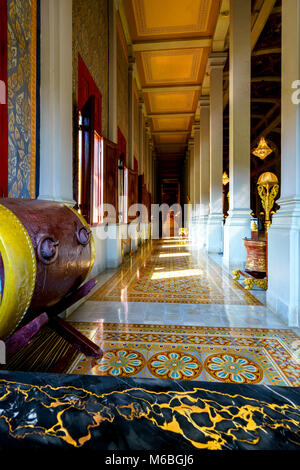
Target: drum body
point(46, 252)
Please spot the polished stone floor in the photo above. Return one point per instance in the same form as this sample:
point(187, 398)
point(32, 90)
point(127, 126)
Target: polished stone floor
point(174, 313)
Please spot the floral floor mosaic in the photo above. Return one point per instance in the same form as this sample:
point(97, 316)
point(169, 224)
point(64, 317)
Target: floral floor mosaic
point(166, 272)
point(232, 355)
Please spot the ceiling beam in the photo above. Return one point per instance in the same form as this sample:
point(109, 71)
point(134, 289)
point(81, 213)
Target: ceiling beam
point(274, 124)
point(170, 132)
point(265, 100)
point(256, 30)
point(163, 45)
point(170, 115)
point(270, 50)
point(171, 145)
point(265, 118)
point(265, 79)
point(163, 89)
point(222, 27)
point(261, 20)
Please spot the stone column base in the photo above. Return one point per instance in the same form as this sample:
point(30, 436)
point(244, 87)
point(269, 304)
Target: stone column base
point(237, 227)
point(117, 232)
point(214, 233)
point(202, 230)
point(283, 295)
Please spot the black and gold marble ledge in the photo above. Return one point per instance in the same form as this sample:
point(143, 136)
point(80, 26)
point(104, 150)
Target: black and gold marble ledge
point(103, 413)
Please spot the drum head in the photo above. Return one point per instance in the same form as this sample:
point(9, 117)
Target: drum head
point(17, 272)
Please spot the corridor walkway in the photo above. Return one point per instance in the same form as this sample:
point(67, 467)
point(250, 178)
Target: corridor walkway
point(171, 313)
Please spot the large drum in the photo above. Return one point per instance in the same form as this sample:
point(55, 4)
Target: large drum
point(46, 251)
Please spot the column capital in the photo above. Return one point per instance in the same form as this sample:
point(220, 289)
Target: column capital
point(196, 125)
point(131, 64)
point(217, 60)
point(141, 100)
point(191, 143)
point(204, 101)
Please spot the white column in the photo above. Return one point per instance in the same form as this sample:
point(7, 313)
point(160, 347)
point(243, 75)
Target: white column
point(192, 171)
point(192, 231)
point(154, 179)
point(196, 207)
point(147, 157)
point(284, 234)
point(141, 137)
point(204, 104)
point(214, 237)
point(131, 98)
point(238, 221)
point(56, 162)
point(112, 72)
point(187, 156)
point(151, 147)
point(197, 167)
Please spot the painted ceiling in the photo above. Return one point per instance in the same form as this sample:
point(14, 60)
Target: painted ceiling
point(171, 40)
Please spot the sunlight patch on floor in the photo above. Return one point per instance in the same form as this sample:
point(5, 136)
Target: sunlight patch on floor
point(173, 255)
point(181, 273)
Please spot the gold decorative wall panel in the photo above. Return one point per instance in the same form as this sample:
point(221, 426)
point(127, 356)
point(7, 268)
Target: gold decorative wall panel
point(22, 63)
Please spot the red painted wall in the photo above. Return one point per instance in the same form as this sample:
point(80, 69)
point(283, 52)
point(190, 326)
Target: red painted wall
point(86, 88)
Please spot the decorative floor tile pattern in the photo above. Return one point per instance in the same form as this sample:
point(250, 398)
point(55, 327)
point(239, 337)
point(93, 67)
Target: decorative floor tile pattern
point(232, 355)
point(166, 272)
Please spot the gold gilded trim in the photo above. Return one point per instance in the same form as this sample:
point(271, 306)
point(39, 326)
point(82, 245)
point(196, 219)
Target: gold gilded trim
point(92, 244)
point(33, 66)
point(19, 271)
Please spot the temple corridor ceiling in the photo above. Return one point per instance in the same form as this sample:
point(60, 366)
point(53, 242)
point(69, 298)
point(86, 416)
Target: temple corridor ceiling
point(171, 42)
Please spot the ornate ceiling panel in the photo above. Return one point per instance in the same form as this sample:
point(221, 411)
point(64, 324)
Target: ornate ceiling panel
point(176, 67)
point(171, 41)
point(170, 138)
point(172, 102)
point(153, 19)
point(171, 123)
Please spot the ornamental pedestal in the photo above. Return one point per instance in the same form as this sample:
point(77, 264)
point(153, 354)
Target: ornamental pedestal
point(256, 261)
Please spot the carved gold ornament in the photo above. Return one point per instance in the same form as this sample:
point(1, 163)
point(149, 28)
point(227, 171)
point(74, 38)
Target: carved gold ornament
point(267, 187)
point(225, 178)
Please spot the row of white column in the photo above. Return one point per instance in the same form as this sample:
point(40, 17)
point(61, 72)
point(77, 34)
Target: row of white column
point(207, 153)
point(205, 157)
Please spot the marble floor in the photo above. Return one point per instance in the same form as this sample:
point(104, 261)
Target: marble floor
point(169, 307)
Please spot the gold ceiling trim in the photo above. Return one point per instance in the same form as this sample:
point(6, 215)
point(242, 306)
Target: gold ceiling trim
point(195, 70)
point(201, 24)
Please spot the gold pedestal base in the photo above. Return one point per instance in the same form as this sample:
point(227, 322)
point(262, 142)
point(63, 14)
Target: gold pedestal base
point(250, 282)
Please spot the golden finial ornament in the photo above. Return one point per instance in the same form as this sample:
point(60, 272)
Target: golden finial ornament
point(267, 187)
